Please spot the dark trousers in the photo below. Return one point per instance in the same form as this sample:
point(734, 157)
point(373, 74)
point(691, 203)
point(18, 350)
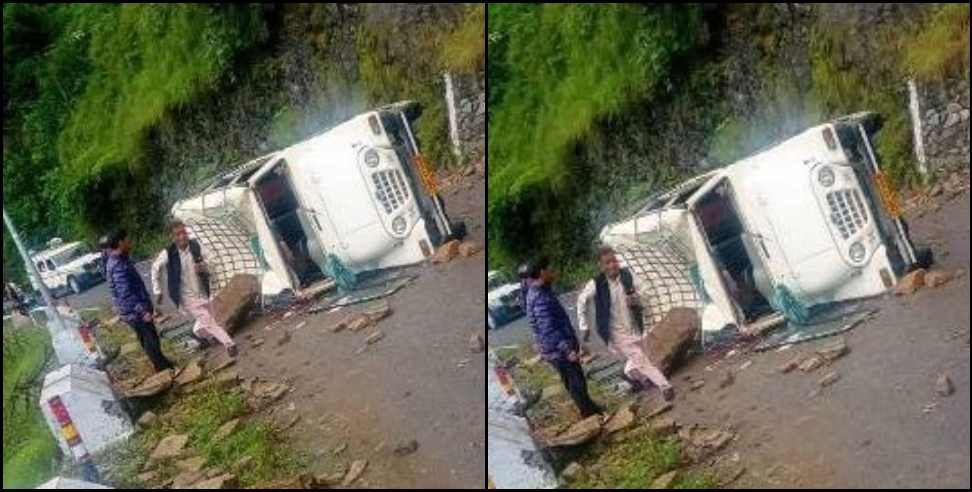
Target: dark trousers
point(572, 374)
point(148, 337)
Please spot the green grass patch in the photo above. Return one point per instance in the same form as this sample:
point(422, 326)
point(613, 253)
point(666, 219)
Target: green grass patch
point(200, 415)
point(636, 463)
point(29, 450)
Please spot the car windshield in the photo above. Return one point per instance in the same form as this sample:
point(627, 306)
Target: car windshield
point(69, 255)
point(496, 281)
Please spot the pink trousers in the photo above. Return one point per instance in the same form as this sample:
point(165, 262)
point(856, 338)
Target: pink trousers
point(206, 326)
point(638, 367)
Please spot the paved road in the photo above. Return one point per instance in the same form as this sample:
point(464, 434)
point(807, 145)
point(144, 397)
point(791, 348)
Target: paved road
point(871, 429)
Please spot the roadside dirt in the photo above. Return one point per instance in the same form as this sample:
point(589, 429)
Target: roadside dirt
point(881, 425)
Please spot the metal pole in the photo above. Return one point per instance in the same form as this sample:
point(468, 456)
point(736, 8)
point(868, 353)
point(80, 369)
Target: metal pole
point(35, 275)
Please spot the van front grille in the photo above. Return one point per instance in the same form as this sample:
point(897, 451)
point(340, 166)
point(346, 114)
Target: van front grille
point(847, 212)
point(390, 189)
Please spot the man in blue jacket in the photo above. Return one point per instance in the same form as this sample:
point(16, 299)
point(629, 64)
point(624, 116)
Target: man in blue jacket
point(555, 337)
point(132, 300)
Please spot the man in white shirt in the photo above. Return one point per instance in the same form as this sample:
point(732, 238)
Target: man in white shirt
point(618, 319)
point(188, 279)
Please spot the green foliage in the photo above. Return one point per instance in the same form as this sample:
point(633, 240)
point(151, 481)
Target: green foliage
point(29, 450)
point(464, 49)
point(941, 47)
point(555, 71)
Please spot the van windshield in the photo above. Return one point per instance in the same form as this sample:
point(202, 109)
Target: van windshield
point(69, 255)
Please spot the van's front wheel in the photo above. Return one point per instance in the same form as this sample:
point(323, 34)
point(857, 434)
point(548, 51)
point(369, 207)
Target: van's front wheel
point(74, 286)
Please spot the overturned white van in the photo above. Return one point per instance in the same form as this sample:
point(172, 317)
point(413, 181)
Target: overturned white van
point(806, 223)
point(355, 198)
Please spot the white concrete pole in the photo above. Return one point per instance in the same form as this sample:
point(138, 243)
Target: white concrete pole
point(915, 109)
point(450, 95)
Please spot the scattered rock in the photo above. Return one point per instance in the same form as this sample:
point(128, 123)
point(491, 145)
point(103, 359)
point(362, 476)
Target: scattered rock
point(220, 362)
point(329, 480)
point(665, 481)
point(191, 465)
point(572, 473)
point(170, 447)
point(663, 427)
point(221, 482)
point(671, 338)
point(697, 385)
point(148, 420)
point(378, 312)
point(226, 430)
point(340, 449)
point(340, 326)
point(911, 283)
point(359, 323)
point(190, 374)
point(833, 350)
point(405, 449)
point(577, 434)
point(270, 391)
point(469, 248)
point(726, 380)
point(790, 366)
point(157, 383)
point(713, 439)
point(658, 410)
point(258, 342)
point(284, 339)
point(829, 380)
point(446, 252)
point(944, 386)
point(357, 469)
point(187, 479)
point(476, 344)
point(226, 380)
point(621, 420)
point(233, 303)
point(938, 278)
point(375, 338)
point(811, 364)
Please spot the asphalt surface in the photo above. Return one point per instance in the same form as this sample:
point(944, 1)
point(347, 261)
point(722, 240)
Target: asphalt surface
point(882, 425)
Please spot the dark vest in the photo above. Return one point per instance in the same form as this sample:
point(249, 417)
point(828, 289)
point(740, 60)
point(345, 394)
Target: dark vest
point(175, 271)
point(602, 305)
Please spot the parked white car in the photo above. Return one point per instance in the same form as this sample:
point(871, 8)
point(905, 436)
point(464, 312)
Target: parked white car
point(808, 222)
point(503, 303)
point(68, 268)
point(359, 195)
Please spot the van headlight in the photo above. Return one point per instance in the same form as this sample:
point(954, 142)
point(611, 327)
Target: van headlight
point(826, 177)
point(371, 158)
point(399, 225)
point(858, 252)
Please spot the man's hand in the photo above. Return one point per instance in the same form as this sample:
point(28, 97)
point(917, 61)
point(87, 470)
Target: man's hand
point(573, 357)
point(148, 317)
point(634, 300)
point(201, 267)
